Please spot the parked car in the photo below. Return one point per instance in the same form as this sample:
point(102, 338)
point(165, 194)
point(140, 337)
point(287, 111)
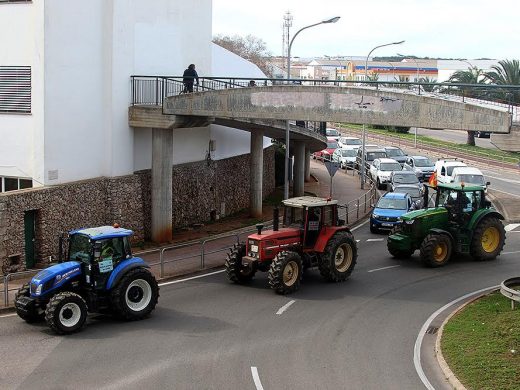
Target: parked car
point(482, 134)
point(381, 170)
point(370, 155)
point(327, 152)
point(403, 177)
point(422, 166)
point(389, 209)
point(333, 134)
point(346, 157)
point(416, 193)
point(444, 169)
point(396, 153)
point(347, 142)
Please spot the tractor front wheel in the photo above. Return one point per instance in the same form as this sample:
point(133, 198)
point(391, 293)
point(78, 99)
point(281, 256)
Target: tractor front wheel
point(136, 295)
point(235, 271)
point(285, 272)
point(33, 316)
point(436, 250)
point(488, 239)
point(66, 312)
point(339, 258)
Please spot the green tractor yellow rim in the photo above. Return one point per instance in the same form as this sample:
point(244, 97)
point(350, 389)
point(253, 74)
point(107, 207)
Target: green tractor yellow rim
point(343, 257)
point(440, 252)
point(490, 239)
point(290, 273)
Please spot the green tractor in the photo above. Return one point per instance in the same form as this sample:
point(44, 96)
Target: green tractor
point(462, 221)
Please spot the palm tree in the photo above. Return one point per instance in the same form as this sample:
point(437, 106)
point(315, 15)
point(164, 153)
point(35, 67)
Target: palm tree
point(429, 84)
point(507, 72)
point(471, 76)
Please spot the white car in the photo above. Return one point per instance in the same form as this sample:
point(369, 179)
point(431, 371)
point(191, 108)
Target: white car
point(468, 175)
point(346, 157)
point(349, 142)
point(381, 170)
point(444, 169)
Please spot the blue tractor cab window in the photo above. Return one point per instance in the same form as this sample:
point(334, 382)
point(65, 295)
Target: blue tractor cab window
point(80, 248)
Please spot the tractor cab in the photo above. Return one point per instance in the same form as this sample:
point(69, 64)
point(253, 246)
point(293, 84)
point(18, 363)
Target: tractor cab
point(310, 215)
point(99, 250)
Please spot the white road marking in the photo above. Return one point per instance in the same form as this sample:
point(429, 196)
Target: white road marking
point(193, 277)
point(358, 226)
point(422, 332)
point(508, 193)
point(375, 239)
point(358, 240)
point(504, 179)
point(509, 253)
point(8, 315)
point(380, 269)
point(511, 226)
point(256, 378)
point(285, 307)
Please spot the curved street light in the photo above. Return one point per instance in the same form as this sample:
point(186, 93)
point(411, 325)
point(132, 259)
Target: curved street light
point(286, 171)
point(364, 134)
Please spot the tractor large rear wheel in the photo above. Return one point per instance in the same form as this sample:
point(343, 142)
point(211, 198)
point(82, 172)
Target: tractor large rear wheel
point(235, 271)
point(488, 239)
point(136, 295)
point(339, 258)
point(285, 273)
point(436, 250)
point(66, 313)
point(31, 317)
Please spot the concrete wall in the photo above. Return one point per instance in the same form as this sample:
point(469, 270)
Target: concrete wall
point(21, 135)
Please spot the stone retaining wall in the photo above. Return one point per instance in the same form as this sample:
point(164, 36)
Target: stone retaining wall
point(198, 189)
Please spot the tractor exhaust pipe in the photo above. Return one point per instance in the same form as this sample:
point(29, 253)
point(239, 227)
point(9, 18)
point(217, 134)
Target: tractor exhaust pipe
point(276, 216)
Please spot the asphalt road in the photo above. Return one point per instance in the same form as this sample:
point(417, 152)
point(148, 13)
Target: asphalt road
point(209, 334)
point(455, 136)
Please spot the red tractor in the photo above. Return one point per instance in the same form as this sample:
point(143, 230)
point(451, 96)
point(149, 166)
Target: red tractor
point(311, 236)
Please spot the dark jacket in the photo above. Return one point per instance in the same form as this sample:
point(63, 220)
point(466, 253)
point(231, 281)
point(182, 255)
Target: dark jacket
point(189, 76)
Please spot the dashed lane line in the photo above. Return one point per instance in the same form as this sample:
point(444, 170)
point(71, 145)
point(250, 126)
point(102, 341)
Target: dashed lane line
point(511, 226)
point(193, 277)
point(383, 268)
point(8, 315)
point(285, 307)
point(375, 239)
point(256, 378)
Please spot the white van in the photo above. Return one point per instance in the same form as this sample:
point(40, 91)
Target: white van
point(468, 175)
point(444, 169)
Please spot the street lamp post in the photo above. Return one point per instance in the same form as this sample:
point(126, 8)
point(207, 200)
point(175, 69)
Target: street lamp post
point(363, 168)
point(287, 126)
point(416, 65)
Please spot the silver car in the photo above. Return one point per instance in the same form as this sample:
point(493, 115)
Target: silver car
point(422, 166)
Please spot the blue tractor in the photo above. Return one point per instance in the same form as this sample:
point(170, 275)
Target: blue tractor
point(99, 275)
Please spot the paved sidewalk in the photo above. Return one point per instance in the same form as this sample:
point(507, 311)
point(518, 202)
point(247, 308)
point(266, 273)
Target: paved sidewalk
point(210, 252)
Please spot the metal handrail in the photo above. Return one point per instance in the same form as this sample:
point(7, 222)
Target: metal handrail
point(9, 277)
point(507, 291)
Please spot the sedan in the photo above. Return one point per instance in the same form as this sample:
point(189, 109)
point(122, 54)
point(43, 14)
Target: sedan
point(417, 194)
point(389, 209)
point(327, 152)
point(333, 133)
point(404, 177)
point(422, 166)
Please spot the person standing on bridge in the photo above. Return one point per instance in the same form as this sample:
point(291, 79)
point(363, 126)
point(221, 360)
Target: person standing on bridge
point(189, 77)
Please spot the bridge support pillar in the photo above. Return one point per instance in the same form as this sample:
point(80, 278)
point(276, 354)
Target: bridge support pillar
point(299, 168)
point(307, 165)
point(256, 173)
point(162, 163)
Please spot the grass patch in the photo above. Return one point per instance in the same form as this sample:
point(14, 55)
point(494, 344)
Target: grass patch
point(478, 151)
point(481, 344)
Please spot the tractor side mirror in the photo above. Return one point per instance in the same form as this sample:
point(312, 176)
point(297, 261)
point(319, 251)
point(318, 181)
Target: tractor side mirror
point(259, 228)
point(488, 183)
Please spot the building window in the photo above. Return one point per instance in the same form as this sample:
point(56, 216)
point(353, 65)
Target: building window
point(14, 183)
point(15, 89)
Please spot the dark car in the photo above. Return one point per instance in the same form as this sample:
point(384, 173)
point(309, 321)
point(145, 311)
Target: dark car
point(370, 156)
point(389, 209)
point(422, 166)
point(403, 177)
point(416, 193)
point(396, 153)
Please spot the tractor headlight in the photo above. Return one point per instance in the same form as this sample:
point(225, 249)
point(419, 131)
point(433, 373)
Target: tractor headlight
point(38, 289)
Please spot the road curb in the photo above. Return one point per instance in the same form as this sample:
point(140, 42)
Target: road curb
point(447, 372)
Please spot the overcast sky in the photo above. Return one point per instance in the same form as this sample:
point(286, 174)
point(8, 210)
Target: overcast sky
point(433, 28)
